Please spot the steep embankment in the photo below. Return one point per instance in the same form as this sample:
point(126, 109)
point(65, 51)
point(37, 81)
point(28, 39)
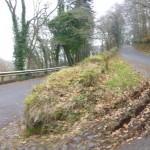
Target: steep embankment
point(77, 94)
point(145, 47)
point(143, 44)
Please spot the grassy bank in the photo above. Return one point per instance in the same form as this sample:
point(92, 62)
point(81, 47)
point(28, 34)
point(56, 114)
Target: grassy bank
point(145, 47)
point(72, 99)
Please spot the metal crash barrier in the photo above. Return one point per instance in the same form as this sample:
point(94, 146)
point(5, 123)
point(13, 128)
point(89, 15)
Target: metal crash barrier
point(26, 74)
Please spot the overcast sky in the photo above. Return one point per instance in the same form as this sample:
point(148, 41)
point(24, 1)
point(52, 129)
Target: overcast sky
point(6, 36)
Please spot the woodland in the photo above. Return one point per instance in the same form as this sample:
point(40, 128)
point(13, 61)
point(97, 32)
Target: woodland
point(64, 35)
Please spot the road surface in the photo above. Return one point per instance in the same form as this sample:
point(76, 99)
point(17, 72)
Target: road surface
point(141, 62)
point(12, 98)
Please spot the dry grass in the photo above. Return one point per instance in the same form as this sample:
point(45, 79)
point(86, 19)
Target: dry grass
point(71, 98)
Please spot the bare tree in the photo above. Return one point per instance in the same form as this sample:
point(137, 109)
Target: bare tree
point(110, 28)
point(138, 18)
point(27, 32)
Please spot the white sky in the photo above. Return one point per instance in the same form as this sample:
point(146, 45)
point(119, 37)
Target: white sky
point(6, 36)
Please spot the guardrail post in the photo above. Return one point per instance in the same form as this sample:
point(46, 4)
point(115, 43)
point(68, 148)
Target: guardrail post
point(45, 72)
point(27, 75)
point(10, 77)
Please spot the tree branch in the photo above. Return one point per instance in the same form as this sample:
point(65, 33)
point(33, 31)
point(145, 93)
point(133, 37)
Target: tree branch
point(23, 13)
point(38, 13)
point(142, 4)
point(9, 5)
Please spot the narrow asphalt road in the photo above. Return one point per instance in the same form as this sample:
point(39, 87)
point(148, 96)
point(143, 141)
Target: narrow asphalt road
point(12, 98)
point(141, 62)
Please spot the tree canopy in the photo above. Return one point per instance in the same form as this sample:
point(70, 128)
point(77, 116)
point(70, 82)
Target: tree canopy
point(66, 38)
point(71, 30)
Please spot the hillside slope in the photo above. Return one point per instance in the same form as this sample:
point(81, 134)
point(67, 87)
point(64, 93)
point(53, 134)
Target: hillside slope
point(5, 65)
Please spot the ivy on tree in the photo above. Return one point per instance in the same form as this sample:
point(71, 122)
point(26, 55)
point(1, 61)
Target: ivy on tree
point(20, 34)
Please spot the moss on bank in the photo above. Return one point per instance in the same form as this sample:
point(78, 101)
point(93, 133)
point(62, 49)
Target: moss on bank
point(71, 97)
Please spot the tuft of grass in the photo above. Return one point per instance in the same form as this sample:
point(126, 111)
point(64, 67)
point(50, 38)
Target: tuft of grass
point(34, 96)
point(122, 76)
point(93, 59)
point(89, 78)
